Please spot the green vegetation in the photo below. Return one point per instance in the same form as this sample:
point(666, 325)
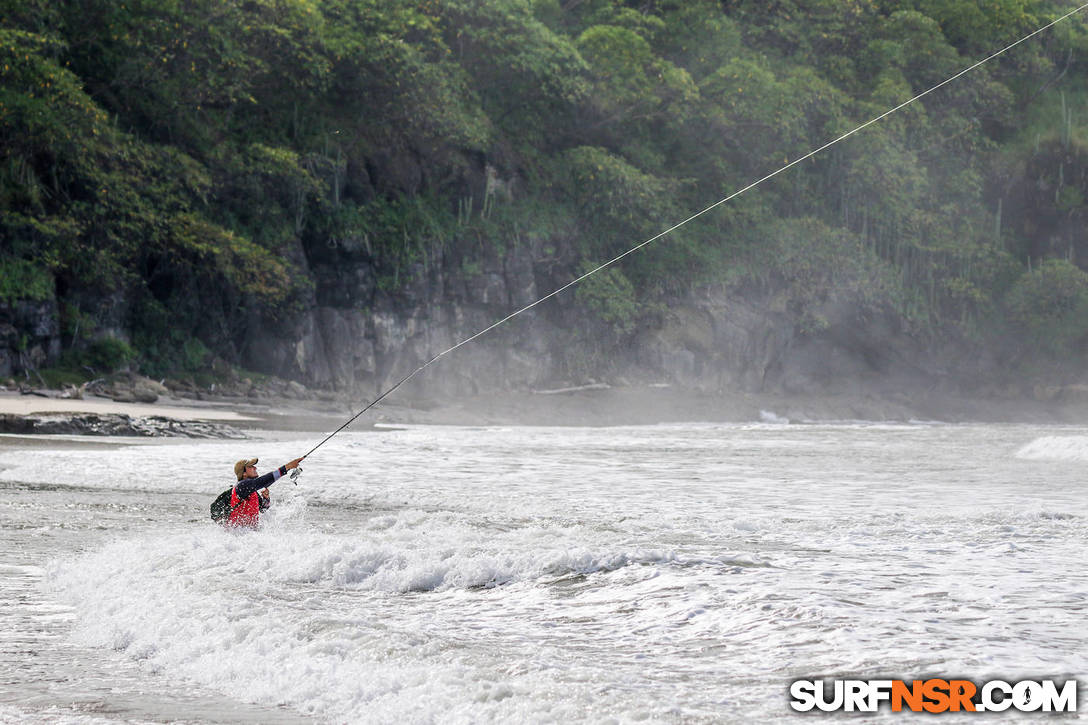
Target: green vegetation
point(21, 279)
point(102, 356)
point(610, 296)
point(1050, 305)
point(215, 162)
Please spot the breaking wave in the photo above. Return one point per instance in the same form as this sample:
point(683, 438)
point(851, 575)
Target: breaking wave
point(282, 614)
point(1055, 448)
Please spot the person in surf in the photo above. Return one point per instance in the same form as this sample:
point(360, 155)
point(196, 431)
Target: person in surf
point(250, 497)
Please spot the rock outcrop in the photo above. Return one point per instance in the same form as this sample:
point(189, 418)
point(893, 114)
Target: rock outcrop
point(356, 334)
point(29, 335)
point(712, 342)
point(113, 425)
point(131, 388)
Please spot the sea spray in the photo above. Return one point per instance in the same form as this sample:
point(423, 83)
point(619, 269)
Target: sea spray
point(668, 573)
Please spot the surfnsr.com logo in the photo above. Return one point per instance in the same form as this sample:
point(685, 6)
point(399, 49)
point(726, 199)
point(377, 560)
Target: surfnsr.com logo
point(934, 695)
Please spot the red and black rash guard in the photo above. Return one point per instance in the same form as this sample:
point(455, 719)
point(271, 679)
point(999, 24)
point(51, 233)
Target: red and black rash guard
point(245, 502)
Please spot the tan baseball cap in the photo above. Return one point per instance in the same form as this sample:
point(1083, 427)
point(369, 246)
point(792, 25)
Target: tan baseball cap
point(240, 466)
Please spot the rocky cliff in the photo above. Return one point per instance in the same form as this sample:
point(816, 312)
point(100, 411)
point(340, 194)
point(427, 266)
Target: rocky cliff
point(354, 339)
point(358, 338)
point(29, 336)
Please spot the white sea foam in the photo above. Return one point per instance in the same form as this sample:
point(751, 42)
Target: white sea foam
point(534, 575)
point(54, 716)
point(285, 615)
point(1055, 448)
point(768, 416)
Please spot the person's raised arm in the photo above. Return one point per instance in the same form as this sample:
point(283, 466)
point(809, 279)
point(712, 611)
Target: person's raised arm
point(248, 486)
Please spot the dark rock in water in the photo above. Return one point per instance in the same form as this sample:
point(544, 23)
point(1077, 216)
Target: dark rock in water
point(16, 424)
point(114, 425)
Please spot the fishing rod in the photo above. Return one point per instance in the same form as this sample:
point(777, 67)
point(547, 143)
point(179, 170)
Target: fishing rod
point(694, 216)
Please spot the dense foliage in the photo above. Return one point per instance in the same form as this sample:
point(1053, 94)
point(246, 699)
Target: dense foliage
point(207, 161)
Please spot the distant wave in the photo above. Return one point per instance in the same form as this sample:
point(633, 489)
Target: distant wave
point(769, 416)
point(1055, 448)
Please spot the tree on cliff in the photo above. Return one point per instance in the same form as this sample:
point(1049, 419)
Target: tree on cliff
point(198, 168)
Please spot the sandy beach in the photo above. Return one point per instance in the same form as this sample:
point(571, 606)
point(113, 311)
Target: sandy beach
point(19, 404)
point(635, 405)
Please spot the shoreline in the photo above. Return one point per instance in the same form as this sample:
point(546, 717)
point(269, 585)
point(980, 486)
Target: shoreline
point(651, 405)
point(593, 406)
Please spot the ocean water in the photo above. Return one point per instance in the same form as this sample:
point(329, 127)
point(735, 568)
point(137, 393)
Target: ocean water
point(677, 573)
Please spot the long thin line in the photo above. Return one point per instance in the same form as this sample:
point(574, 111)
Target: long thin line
point(694, 216)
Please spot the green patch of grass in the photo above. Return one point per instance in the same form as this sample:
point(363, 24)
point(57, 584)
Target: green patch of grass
point(102, 356)
point(60, 376)
point(23, 280)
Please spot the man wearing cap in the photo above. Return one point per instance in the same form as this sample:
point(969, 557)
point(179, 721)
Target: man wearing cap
point(245, 503)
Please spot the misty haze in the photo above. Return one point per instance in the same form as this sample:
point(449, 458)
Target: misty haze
point(551, 360)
